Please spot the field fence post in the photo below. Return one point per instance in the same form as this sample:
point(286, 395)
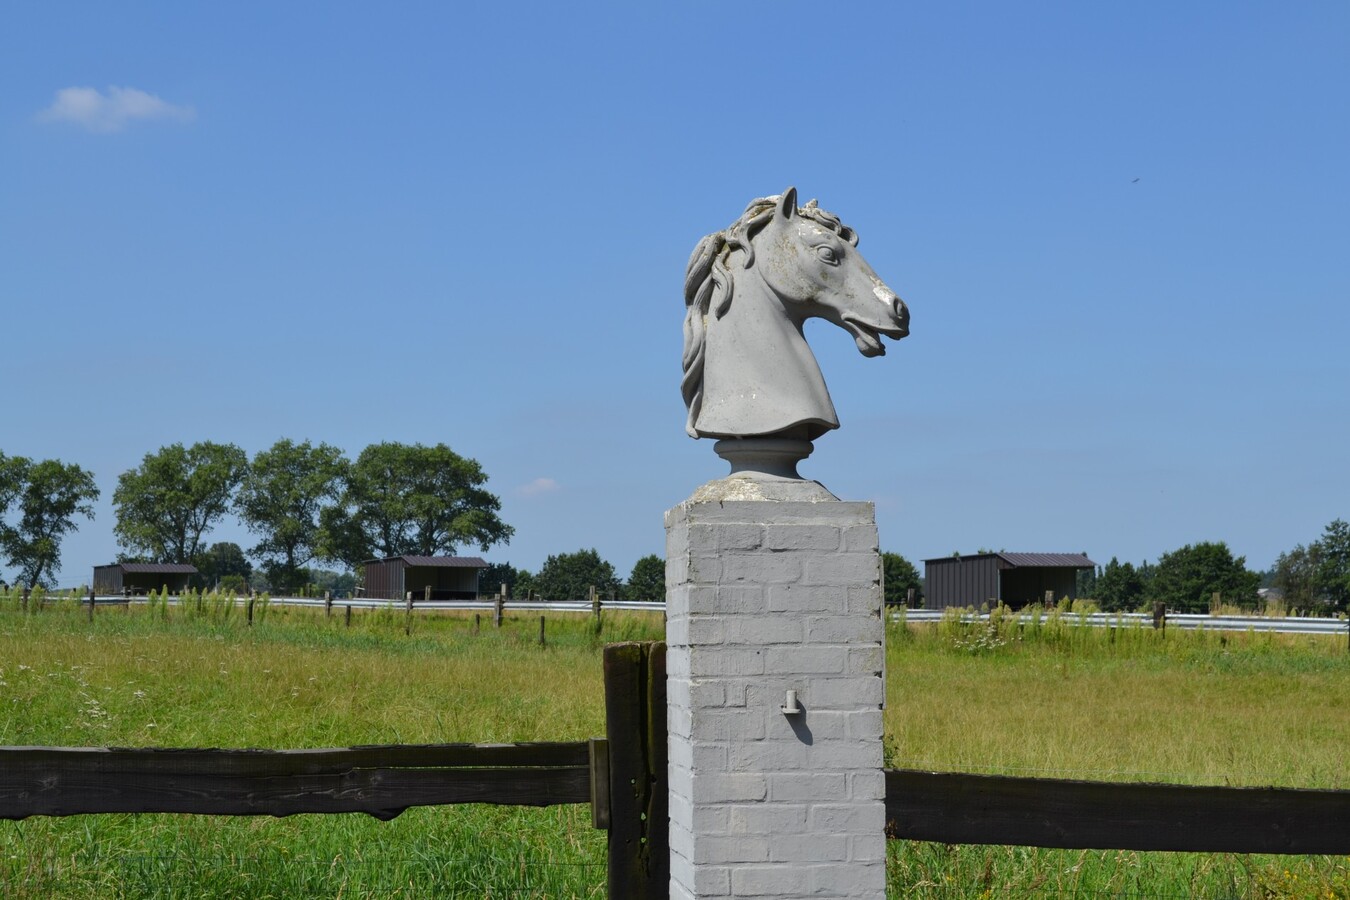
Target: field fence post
point(91, 604)
point(23, 602)
point(252, 597)
point(635, 731)
point(909, 598)
point(1159, 615)
point(407, 614)
point(1049, 599)
point(541, 631)
point(349, 615)
point(426, 598)
point(477, 622)
point(497, 607)
point(1215, 601)
point(328, 604)
point(595, 609)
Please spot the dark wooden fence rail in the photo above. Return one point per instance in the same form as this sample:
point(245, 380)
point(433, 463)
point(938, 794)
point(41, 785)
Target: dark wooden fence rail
point(1042, 812)
point(381, 781)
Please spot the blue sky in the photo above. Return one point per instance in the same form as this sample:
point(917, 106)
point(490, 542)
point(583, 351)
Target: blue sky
point(1122, 232)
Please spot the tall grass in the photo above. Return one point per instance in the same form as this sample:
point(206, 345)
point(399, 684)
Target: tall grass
point(1051, 699)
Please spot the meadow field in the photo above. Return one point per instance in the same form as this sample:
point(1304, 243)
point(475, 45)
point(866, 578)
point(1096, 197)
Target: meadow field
point(1056, 700)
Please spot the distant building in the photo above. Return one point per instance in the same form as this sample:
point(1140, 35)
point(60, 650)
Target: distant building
point(449, 577)
point(142, 578)
point(1013, 579)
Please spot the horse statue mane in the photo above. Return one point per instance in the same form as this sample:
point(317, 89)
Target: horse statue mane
point(748, 372)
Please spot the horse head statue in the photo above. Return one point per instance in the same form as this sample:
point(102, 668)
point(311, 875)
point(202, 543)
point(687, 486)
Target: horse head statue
point(748, 372)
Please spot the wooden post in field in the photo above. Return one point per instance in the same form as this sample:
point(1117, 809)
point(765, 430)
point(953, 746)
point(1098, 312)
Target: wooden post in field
point(541, 631)
point(1215, 600)
point(426, 595)
point(349, 615)
point(635, 729)
point(407, 615)
point(497, 605)
point(252, 596)
point(595, 609)
point(328, 604)
point(1049, 599)
point(23, 602)
point(909, 598)
point(91, 604)
point(477, 622)
point(1159, 615)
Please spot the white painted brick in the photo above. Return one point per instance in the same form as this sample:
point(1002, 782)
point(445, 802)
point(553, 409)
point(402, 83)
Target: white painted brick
point(859, 539)
point(866, 724)
point(847, 692)
point(848, 629)
point(813, 847)
point(758, 568)
point(801, 537)
point(705, 629)
point(798, 598)
point(867, 785)
point(840, 569)
point(761, 629)
point(867, 847)
point(728, 725)
point(766, 881)
point(866, 659)
point(731, 848)
point(805, 660)
point(708, 663)
point(706, 693)
point(733, 788)
point(769, 818)
point(847, 818)
point(768, 756)
point(817, 787)
point(841, 879)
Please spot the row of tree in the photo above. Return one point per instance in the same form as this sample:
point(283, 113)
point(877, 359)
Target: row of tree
point(1315, 578)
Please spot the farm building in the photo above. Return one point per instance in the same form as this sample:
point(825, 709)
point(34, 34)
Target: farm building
point(1013, 579)
point(449, 577)
point(142, 578)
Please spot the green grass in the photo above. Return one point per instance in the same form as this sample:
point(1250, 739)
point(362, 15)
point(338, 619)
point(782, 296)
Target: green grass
point(1055, 701)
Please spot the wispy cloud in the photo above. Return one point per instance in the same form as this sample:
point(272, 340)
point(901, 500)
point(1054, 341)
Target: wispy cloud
point(537, 487)
point(104, 113)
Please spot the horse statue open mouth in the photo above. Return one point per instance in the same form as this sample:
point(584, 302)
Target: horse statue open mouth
point(748, 372)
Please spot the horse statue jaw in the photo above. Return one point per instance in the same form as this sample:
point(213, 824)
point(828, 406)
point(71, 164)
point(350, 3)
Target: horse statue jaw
point(749, 377)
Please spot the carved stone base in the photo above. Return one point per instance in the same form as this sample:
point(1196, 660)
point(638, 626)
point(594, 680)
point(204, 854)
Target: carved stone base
point(772, 456)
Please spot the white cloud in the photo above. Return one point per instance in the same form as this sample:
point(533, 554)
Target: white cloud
point(104, 113)
point(537, 487)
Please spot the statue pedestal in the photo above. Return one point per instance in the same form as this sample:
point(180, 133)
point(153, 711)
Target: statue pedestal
point(775, 689)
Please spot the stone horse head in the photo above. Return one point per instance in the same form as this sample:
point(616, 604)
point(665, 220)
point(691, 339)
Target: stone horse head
point(748, 372)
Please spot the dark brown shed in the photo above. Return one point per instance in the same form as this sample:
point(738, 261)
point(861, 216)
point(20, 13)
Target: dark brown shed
point(449, 577)
point(142, 578)
point(1013, 579)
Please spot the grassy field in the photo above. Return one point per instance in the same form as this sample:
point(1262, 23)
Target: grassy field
point(1057, 701)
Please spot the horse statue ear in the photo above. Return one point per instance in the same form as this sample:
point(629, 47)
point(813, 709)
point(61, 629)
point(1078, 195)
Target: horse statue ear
point(787, 203)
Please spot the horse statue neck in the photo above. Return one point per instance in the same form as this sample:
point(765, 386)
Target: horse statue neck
point(760, 378)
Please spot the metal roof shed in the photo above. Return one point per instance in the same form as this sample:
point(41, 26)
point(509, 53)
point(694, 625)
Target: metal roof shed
point(1013, 579)
point(449, 577)
point(142, 578)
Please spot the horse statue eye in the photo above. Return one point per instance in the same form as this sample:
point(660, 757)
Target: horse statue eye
point(827, 254)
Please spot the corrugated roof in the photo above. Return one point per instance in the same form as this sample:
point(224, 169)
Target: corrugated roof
point(439, 562)
point(1045, 560)
point(1049, 560)
point(157, 568)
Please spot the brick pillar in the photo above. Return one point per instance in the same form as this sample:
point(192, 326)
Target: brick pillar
point(764, 597)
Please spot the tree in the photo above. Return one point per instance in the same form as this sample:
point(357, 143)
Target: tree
point(569, 576)
point(1185, 579)
point(1333, 570)
point(1296, 576)
point(519, 582)
point(221, 561)
point(411, 499)
point(50, 494)
point(174, 497)
point(1119, 587)
point(898, 576)
point(282, 495)
point(647, 580)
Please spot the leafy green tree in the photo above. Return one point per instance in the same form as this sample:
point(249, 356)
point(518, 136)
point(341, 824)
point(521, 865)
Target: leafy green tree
point(168, 503)
point(284, 491)
point(647, 581)
point(1185, 579)
point(221, 561)
point(1120, 587)
point(491, 579)
point(412, 499)
point(898, 576)
point(50, 495)
point(1333, 570)
point(569, 576)
point(1296, 576)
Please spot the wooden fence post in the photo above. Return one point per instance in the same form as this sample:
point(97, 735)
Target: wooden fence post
point(91, 604)
point(477, 622)
point(639, 803)
point(407, 615)
point(328, 604)
point(24, 601)
point(595, 609)
point(1049, 599)
point(1159, 614)
point(497, 605)
point(252, 596)
point(426, 594)
point(349, 615)
point(909, 598)
point(1215, 601)
point(541, 631)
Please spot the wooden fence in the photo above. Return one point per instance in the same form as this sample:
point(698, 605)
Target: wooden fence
point(623, 778)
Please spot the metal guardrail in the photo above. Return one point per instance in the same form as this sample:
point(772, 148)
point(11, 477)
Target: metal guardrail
point(1184, 621)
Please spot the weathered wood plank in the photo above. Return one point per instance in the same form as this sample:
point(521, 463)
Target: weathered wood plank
point(150, 761)
point(383, 793)
point(1036, 812)
point(635, 718)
